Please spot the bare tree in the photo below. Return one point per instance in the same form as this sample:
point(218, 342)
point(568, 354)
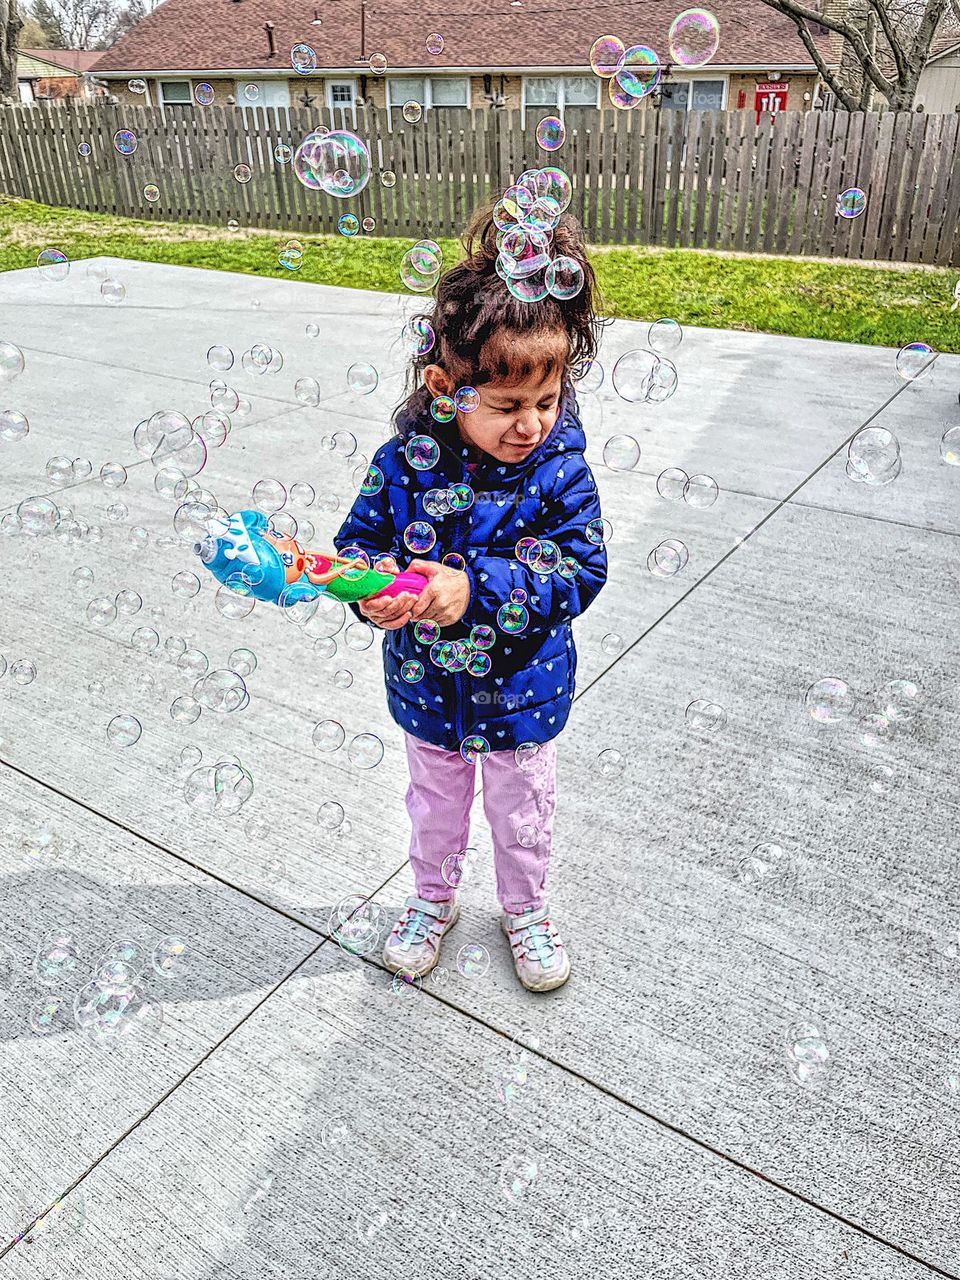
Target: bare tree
point(10, 25)
point(75, 24)
point(885, 46)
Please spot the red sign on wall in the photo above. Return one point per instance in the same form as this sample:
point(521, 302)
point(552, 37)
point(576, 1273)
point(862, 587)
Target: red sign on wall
point(770, 98)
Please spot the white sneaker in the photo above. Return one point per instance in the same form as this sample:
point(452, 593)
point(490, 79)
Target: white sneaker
point(414, 941)
point(539, 956)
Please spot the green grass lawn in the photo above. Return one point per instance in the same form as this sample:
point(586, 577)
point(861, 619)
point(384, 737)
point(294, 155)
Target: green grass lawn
point(808, 299)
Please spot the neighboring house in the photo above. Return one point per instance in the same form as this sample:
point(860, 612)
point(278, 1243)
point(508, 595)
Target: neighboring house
point(514, 53)
point(52, 74)
point(939, 89)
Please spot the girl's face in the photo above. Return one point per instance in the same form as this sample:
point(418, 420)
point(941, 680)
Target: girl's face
point(512, 417)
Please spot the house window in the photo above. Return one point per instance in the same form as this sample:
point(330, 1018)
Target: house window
point(175, 93)
point(560, 91)
point(692, 95)
point(430, 91)
point(263, 93)
point(341, 94)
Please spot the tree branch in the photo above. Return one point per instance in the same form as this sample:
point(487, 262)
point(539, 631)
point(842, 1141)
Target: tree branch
point(848, 101)
point(853, 37)
point(880, 9)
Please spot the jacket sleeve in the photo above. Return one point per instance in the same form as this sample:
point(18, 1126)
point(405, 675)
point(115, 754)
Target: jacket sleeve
point(371, 526)
point(552, 598)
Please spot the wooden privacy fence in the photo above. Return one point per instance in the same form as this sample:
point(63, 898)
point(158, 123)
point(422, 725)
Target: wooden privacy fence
point(704, 179)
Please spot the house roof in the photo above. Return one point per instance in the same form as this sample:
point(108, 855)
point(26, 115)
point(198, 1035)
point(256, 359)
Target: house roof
point(73, 61)
point(488, 35)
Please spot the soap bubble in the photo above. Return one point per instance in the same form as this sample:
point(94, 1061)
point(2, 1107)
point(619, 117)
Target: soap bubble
point(151, 192)
point(950, 447)
point(328, 735)
point(47, 1017)
point(169, 956)
point(467, 399)
point(830, 700)
point(125, 142)
point(694, 38)
point(898, 700)
point(621, 453)
point(113, 291)
point(303, 59)
point(102, 611)
point(633, 375)
point(873, 457)
point(422, 452)
point(664, 336)
point(412, 112)
point(766, 862)
point(667, 558)
point(420, 268)
point(330, 815)
point(56, 959)
point(14, 427)
point(124, 731)
point(11, 361)
point(518, 1175)
point(113, 475)
point(243, 662)
point(851, 203)
point(221, 358)
point(378, 63)
point(456, 867)
point(222, 789)
point(269, 496)
point(203, 94)
point(388, 178)
point(222, 690)
point(914, 360)
point(24, 671)
point(807, 1054)
point(706, 717)
point(365, 751)
point(564, 277)
point(362, 378)
point(38, 516)
point(337, 163)
point(348, 224)
point(53, 265)
point(550, 133)
point(640, 71)
point(606, 56)
point(434, 43)
point(701, 492)
point(473, 960)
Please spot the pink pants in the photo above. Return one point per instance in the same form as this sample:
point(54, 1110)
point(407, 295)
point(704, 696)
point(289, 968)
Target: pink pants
point(439, 800)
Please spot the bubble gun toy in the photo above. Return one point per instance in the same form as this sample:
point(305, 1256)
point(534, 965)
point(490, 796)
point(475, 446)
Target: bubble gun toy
point(274, 568)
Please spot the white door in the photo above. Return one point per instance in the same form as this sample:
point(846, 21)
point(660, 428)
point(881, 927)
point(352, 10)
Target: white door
point(342, 96)
point(263, 93)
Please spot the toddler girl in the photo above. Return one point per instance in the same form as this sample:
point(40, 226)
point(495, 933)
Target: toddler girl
point(508, 466)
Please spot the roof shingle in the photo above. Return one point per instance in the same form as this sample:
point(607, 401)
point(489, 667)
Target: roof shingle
point(492, 35)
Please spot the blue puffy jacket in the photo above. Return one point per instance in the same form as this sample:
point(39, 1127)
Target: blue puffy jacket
point(551, 494)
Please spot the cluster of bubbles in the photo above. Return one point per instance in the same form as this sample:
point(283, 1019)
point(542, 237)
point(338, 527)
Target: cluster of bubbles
point(290, 256)
point(420, 266)
point(220, 789)
point(766, 864)
point(668, 558)
point(114, 1000)
point(873, 457)
point(633, 72)
point(699, 491)
point(877, 717)
point(53, 266)
point(526, 216)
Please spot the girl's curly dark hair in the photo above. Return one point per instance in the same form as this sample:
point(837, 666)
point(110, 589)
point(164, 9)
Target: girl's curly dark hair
point(484, 334)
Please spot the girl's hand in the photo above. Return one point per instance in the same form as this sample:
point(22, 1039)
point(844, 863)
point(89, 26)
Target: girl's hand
point(388, 612)
point(445, 598)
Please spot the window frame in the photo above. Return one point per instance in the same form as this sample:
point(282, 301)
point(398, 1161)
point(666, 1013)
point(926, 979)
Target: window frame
point(722, 80)
point(427, 100)
point(161, 94)
point(561, 104)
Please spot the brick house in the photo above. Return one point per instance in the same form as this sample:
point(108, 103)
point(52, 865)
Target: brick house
point(513, 53)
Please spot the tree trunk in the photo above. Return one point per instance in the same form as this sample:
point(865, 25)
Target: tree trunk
point(10, 25)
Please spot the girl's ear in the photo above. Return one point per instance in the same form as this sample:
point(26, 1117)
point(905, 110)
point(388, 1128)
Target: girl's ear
point(437, 381)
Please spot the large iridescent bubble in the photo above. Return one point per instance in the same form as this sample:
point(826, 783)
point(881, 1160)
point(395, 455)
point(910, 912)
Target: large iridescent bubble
point(337, 163)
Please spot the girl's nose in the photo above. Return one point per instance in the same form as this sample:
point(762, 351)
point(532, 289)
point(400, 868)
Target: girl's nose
point(528, 425)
